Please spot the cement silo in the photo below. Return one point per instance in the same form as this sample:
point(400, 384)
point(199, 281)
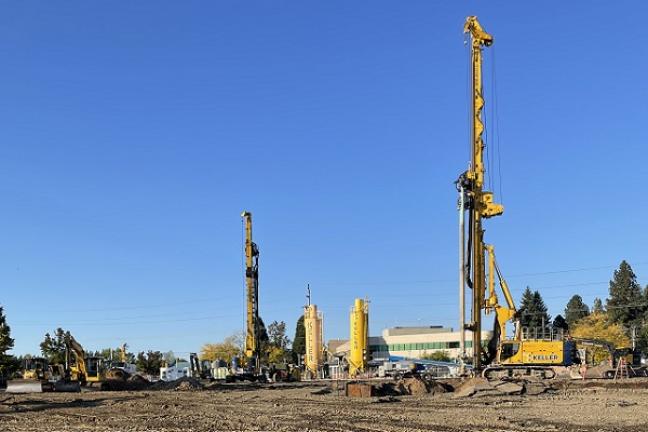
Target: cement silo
point(358, 342)
point(314, 340)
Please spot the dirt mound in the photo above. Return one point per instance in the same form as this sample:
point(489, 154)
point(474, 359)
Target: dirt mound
point(415, 386)
point(189, 384)
point(134, 382)
point(182, 384)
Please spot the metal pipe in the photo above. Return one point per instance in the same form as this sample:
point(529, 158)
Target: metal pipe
point(462, 275)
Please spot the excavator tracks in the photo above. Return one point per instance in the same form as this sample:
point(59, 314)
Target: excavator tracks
point(503, 372)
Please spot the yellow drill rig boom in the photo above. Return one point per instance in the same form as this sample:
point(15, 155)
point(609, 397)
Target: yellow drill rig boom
point(480, 203)
point(252, 296)
point(527, 352)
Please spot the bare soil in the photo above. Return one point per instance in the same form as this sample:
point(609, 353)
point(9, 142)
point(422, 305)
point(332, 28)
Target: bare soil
point(591, 406)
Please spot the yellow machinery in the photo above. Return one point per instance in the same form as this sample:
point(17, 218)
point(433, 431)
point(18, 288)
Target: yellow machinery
point(314, 345)
point(82, 368)
point(252, 297)
point(36, 377)
point(526, 352)
point(358, 343)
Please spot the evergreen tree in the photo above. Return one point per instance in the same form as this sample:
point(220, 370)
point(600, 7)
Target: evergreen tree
point(525, 307)
point(150, 362)
point(560, 323)
point(542, 317)
point(575, 310)
point(625, 305)
point(264, 339)
point(7, 362)
point(533, 312)
point(597, 307)
point(299, 343)
point(53, 347)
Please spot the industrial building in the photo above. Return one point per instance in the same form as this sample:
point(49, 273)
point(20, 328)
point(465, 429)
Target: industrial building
point(411, 342)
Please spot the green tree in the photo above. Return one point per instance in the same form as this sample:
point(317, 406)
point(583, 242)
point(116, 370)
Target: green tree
point(625, 305)
point(299, 342)
point(533, 311)
point(277, 335)
point(7, 362)
point(150, 362)
point(53, 347)
point(437, 356)
point(560, 323)
point(597, 307)
point(575, 310)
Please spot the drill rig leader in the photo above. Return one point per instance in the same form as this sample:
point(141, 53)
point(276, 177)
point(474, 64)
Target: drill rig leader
point(520, 354)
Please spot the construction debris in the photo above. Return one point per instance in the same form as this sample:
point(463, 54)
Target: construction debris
point(478, 387)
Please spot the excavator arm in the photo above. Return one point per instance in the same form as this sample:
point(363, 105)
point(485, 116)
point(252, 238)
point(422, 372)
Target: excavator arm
point(503, 313)
point(76, 348)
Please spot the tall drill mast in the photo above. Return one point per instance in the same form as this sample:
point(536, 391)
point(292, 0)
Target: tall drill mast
point(478, 202)
point(252, 295)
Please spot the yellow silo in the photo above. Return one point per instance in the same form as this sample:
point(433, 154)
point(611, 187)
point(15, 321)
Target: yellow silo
point(314, 346)
point(358, 348)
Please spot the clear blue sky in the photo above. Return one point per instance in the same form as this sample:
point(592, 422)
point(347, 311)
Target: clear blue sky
point(133, 134)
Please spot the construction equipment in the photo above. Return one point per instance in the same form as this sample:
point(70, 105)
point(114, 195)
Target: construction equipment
point(121, 369)
point(38, 375)
point(198, 368)
point(314, 347)
point(359, 340)
point(83, 369)
point(624, 360)
point(539, 353)
point(252, 352)
point(35, 377)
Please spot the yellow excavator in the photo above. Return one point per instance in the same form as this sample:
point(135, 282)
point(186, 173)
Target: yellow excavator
point(527, 351)
point(83, 369)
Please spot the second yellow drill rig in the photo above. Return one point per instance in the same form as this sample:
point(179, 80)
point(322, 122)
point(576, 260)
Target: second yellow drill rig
point(252, 349)
point(526, 352)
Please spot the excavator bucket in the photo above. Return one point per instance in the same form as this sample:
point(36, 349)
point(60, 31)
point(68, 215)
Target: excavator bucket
point(26, 386)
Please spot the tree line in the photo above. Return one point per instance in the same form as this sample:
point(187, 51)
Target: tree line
point(622, 318)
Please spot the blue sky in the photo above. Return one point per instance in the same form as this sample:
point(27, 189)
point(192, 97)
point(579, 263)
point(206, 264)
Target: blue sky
point(133, 134)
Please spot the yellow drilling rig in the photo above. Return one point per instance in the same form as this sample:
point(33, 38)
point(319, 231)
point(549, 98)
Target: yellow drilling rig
point(527, 352)
point(252, 352)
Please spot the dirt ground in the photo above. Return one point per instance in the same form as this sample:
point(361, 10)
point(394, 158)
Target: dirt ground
point(318, 407)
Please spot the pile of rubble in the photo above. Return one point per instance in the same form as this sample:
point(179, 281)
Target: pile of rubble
point(476, 387)
point(407, 386)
